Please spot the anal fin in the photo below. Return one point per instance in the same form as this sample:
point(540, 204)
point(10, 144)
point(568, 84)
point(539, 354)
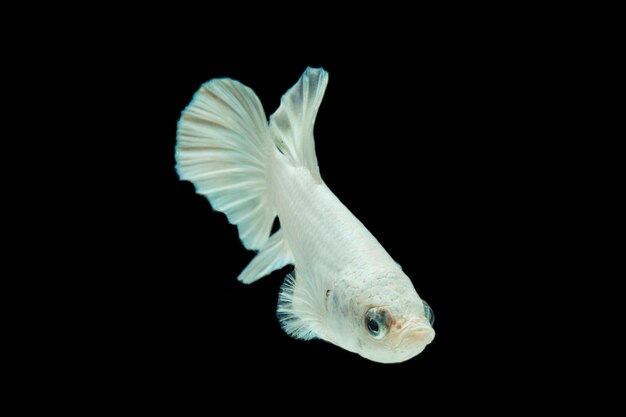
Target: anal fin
point(273, 255)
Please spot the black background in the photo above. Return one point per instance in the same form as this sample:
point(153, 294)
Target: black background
point(461, 140)
point(430, 154)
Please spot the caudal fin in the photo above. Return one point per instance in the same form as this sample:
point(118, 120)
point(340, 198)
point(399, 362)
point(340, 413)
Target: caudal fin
point(223, 147)
point(222, 144)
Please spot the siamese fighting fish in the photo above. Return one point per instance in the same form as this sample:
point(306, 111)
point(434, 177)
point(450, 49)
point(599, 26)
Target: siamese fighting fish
point(345, 287)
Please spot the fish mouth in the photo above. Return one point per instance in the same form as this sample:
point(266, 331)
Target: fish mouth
point(409, 341)
point(416, 334)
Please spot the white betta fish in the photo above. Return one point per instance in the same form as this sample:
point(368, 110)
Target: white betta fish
point(345, 288)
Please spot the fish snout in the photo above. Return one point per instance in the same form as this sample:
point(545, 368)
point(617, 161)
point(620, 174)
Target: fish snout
point(421, 335)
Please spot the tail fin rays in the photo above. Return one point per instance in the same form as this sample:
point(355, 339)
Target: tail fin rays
point(223, 147)
point(223, 137)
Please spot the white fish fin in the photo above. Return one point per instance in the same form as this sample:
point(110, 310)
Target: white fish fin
point(292, 124)
point(222, 145)
point(301, 307)
point(274, 255)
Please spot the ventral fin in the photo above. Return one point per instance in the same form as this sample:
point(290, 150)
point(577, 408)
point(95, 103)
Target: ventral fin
point(301, 307)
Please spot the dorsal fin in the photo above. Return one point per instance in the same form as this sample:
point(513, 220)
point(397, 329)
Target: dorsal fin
point(292, 124)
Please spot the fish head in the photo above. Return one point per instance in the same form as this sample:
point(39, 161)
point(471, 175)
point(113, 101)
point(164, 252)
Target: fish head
point(395, 325)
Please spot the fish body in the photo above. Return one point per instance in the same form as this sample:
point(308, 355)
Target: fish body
point(345, 288)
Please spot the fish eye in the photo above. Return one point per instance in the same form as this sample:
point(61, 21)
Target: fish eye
point(428, 312)
point(376, 321)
